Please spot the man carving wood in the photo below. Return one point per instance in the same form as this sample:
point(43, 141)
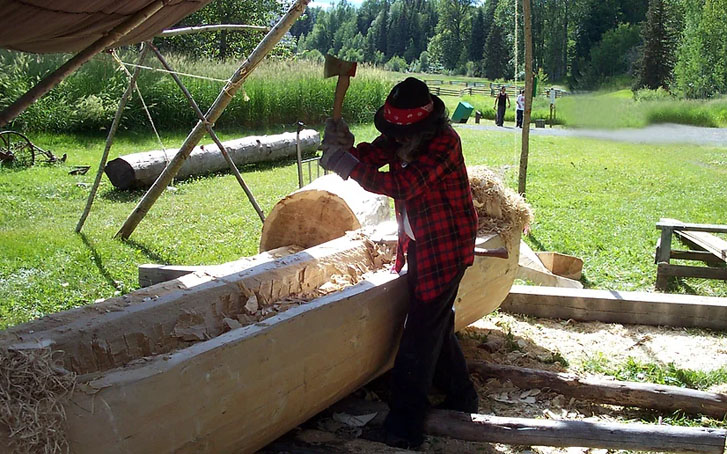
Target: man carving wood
point(437, 223)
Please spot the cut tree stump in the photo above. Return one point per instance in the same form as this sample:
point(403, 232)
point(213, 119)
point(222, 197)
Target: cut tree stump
point(142, 169)
point(321, 211)
point(627, 394)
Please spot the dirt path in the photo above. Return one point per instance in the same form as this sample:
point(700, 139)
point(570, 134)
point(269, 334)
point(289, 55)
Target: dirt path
point(546, 344)
point(654, 134)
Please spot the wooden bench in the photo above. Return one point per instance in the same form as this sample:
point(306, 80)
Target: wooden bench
point(704, 247)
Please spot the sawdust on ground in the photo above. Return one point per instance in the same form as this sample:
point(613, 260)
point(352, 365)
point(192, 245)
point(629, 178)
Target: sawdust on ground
point(536, 343)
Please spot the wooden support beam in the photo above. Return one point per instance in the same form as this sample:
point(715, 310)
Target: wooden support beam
point(679, 225)
point(704, 272)
point(213, 28)
point(610, 306)
point(626, 394)
point(560, 433)
point(543, 432)
point(214, 112)
point(54, 78)
point(110, 138)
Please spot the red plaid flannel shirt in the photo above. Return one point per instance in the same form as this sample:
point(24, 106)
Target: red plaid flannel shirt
point(436, 193)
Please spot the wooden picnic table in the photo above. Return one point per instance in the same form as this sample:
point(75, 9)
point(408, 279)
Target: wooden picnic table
point(704, 247)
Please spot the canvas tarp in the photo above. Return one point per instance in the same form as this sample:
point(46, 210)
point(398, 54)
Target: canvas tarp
point(43, 26)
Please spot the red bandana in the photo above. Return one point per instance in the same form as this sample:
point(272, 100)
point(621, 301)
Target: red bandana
point(404, 117)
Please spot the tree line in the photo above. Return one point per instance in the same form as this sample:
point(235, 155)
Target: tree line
point(679, 45)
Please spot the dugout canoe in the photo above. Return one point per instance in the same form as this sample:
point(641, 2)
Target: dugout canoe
point(169, 368)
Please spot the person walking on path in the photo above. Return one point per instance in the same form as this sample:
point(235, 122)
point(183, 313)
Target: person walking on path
point(519, 109)
point(437, 224)
point(500, 101)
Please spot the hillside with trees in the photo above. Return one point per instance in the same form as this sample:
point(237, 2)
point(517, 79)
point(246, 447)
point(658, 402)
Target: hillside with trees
point(679, 45)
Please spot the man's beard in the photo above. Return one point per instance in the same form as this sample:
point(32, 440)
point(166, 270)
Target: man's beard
point(409, 150)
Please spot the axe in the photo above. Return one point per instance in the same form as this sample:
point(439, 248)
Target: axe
point(344, 70)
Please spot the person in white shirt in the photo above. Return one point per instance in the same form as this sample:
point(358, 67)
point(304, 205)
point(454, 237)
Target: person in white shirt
point(520, 109)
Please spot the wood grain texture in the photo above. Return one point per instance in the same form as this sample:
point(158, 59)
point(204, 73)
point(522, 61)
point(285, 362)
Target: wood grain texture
point(236, 392)
point(618, 307)
point(321, 211)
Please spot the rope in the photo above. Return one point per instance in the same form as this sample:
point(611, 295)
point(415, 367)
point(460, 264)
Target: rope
point(141, 98)
point(195, 76)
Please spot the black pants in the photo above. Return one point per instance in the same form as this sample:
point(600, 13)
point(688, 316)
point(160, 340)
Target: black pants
point(519, 119)
point(500, 114)
point(429, 353)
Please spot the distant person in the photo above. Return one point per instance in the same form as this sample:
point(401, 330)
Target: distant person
point(502, 101)
point(519, 109)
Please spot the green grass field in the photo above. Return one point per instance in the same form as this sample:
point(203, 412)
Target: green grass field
point(597, 200)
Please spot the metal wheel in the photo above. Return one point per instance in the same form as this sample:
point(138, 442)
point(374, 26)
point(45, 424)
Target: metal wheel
point(16, 149)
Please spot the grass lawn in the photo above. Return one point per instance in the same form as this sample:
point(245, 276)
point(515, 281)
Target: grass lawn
point(596, 200)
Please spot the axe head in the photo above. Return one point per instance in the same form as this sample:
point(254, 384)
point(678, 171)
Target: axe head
point(337, 67)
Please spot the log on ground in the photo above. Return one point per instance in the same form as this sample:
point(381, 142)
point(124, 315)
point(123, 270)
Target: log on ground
point(142, 169)
point(585, 434)
point(611, 306)
point(627, 394)
point(167, 368)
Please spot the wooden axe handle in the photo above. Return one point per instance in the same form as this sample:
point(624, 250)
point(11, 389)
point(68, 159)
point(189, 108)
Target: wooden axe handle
point(341, 87)
point(500, 252)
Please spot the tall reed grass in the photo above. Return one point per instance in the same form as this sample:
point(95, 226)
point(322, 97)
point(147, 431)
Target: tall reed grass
point(278, 93)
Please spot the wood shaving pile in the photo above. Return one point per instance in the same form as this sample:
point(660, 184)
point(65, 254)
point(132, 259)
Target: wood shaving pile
point(500, 209)
point(32, 388)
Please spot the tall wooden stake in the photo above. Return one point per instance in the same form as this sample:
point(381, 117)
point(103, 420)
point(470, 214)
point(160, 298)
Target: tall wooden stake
point(53, 79)
point(214, 112)
point(110, 138)
point(522, 178)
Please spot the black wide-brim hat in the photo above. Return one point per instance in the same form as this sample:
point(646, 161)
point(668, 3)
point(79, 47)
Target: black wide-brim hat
point(411, 95)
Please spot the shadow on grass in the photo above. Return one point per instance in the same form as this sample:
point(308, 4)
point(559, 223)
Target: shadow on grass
point(151, 255)
point(98, 261)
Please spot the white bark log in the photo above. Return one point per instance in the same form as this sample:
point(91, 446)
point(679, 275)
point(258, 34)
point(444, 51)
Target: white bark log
point(142, 169)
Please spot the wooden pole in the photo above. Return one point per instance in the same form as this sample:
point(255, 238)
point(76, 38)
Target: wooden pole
point(527, 22)
point(214, 112)
point(213, 28)
point(211, 132)
point(110, 138)
point(564, 433)
point(53, 79)
point(626, 394)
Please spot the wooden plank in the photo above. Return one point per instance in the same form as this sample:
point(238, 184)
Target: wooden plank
point(678, 225)
point(710, 243)
point(701, 256)
point(703, 272)
point(626, 394)
point(610, 306)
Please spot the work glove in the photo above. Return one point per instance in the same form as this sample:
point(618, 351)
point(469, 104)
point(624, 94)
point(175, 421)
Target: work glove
point(339, 161)
point(337, 136)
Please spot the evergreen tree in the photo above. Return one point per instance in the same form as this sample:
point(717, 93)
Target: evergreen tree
point(477, 37)
point(496, 54)
point(658, 53)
